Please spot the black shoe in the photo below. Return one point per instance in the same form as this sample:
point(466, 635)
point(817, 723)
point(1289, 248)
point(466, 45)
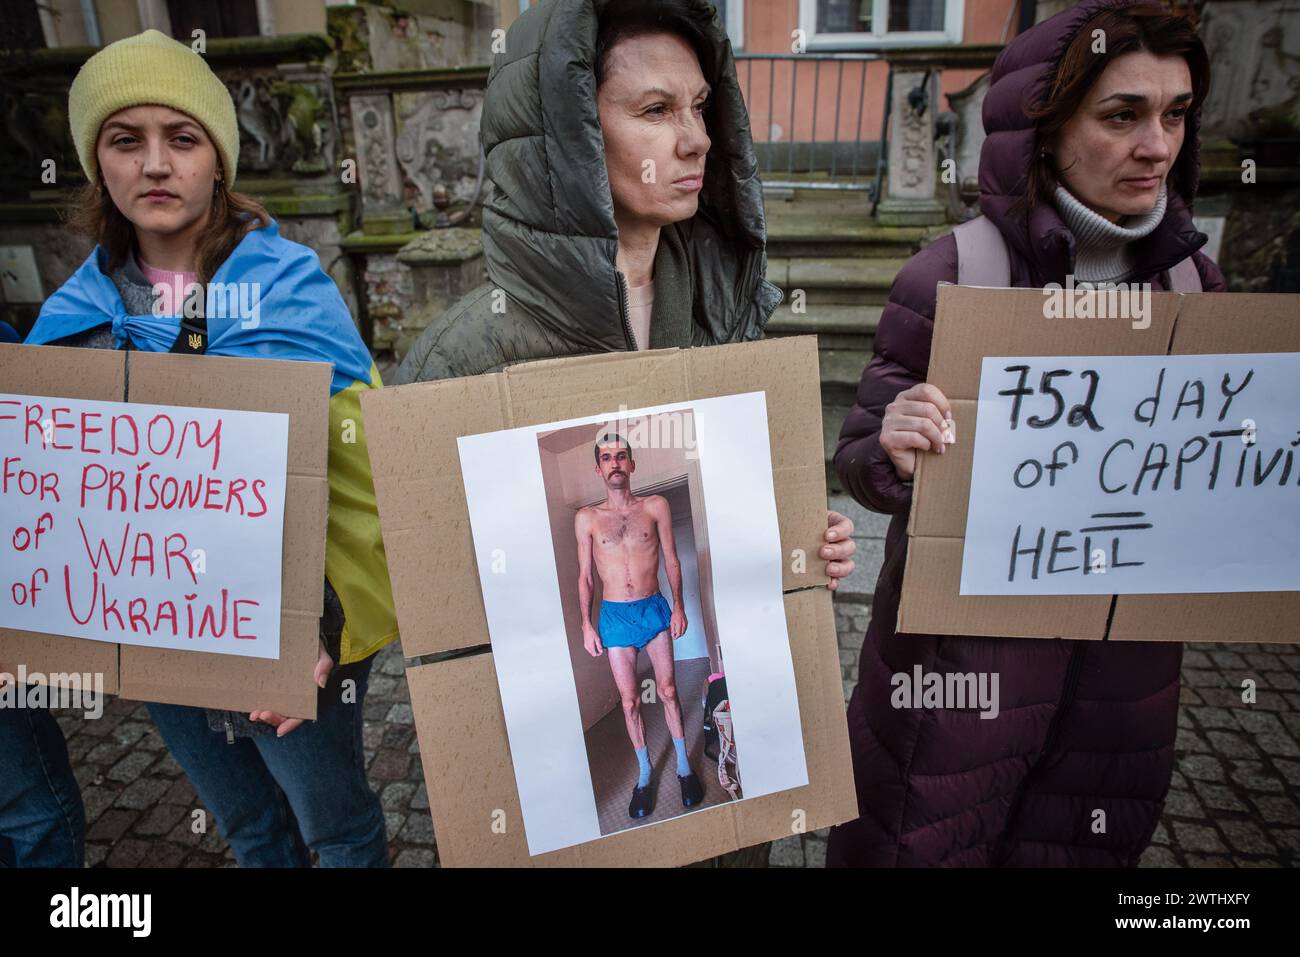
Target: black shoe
point(692, 790)
point(643, 801)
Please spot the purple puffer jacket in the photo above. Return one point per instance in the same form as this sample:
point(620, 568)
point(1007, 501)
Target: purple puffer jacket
point(1084, 726)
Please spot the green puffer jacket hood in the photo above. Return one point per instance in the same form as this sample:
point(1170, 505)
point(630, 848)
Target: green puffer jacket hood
point(549, 236)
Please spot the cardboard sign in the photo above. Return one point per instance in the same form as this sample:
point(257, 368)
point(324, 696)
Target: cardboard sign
point(574, 775)
point(474, 796)
point(285, 558)
point(1202, 579)
point(1135, 475)
point(148, 525)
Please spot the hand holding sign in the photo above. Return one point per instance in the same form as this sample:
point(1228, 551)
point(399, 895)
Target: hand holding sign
point(839, 548)
point(283, 725)
point(919, 418)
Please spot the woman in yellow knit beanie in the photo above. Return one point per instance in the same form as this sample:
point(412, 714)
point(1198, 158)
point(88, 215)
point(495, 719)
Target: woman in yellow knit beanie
point(156, 133)
point(150, 78)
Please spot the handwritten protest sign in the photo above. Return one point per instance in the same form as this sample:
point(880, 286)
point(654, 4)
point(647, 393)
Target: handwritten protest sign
point(1117, 475)
point(150, 525)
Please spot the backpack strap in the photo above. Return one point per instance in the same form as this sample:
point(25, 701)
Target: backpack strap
point(982, 258)
point(1183, 277)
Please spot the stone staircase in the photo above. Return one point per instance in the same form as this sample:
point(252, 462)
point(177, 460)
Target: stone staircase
point(825, 244)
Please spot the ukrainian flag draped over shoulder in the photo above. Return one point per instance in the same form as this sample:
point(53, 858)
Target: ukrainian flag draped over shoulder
point(297, 313)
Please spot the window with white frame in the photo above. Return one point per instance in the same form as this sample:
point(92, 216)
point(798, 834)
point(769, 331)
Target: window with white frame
point(732, 15)
point(873, 24)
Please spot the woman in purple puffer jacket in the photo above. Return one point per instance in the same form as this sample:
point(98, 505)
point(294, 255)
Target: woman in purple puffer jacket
point(1090, 168)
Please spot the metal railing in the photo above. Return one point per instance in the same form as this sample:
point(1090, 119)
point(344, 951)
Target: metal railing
point(817, 135)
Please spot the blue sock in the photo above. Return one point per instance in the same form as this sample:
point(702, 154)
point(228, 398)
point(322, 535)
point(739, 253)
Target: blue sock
point(643, 758)
point(683, 766)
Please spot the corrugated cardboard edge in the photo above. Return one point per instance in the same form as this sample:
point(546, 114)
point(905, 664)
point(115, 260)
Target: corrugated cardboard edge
point(931, 602)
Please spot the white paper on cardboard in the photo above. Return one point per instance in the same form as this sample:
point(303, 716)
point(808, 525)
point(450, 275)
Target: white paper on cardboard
point(150, 525)
point(516, 566)
point(1135, 475)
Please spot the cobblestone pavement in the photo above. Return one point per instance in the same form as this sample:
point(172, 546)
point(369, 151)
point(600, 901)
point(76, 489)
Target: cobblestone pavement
point(1233, 801)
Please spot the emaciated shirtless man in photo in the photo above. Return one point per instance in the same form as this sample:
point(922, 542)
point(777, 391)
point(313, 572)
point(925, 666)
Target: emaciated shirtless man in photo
point(624, 534)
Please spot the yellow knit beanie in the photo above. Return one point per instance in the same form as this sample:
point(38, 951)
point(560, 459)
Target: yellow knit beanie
point(150, 68)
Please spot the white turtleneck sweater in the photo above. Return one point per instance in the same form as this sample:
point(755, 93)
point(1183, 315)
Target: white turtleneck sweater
point(1103, 250)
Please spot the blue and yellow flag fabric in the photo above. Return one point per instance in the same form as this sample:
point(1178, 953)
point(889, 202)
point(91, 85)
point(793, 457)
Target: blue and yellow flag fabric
point(290, 309)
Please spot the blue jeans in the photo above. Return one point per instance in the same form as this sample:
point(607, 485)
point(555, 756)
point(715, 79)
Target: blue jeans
point(42, 821)
point(274, 798)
